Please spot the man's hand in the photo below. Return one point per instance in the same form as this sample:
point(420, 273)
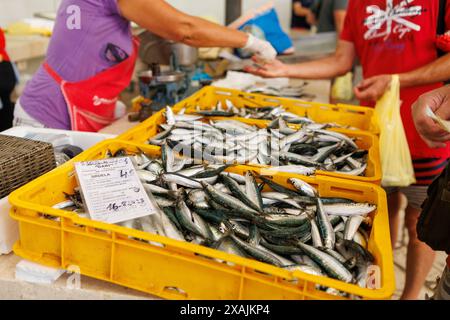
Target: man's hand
point(311, 18)
point(373, 88)
point(262, 49)
point(273, 69)
point(438, 101)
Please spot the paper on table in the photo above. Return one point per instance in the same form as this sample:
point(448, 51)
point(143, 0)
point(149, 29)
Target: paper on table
point(112, 190)
point(445, 125)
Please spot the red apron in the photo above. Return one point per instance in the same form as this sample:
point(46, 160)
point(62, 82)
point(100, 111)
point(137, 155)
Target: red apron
point(3, 53)
point(92, 102)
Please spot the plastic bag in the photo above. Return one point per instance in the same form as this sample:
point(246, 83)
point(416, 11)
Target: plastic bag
point(343, 88)
point(396, 161)
point(264, 24)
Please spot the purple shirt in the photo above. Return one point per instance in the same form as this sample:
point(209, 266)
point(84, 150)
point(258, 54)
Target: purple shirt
point(77, 52)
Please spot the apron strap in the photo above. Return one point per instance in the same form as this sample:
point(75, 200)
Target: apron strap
point(53, 73)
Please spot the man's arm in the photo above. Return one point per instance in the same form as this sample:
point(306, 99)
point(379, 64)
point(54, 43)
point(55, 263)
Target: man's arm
point(338, 64)
point(300, 10)
point(339, 19)
point(169, 23)
point(437, 71)
point(339, 12)
point(164, 20)
point(372, 89)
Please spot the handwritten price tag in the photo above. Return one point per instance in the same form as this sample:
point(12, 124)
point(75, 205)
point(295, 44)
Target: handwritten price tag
point(112, 190)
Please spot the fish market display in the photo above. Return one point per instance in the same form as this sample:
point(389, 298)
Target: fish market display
point(251, 216)
point(301, 151)
point(262, 113)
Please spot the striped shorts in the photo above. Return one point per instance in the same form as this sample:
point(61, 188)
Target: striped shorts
point(426, 170)
point(416, 195)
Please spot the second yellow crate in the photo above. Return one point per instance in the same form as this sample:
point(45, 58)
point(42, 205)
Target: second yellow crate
point(358, 117)
point(366, 141)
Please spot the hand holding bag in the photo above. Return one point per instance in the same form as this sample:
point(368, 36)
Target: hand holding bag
point(396, 161)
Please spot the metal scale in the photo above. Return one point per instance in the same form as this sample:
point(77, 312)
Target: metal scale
point(168, 79)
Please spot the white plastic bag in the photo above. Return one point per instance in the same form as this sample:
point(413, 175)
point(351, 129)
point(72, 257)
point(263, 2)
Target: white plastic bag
point(396, 161)
point(342, 88)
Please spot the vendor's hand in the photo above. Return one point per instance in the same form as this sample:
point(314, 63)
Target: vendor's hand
point(274, 69)
point(311, 18)
point(438, 101)
point(373, 88)
point(260, 48)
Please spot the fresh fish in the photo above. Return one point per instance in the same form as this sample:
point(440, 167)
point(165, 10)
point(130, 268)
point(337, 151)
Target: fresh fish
point(252, 191)
point(305, 269)
point(324, 224)
point(146, 176)
point(237, 192)
point(256, 253)
point(352, 226)
point(170, 116)
point(315, 234)
point(64, 205)
point(181, 180)
point(330, 265)
point(305, 188)
point(349, 209)
point(191, 221)
point(228, 201)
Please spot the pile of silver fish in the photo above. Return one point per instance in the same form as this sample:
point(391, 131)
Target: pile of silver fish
point(296, 92)
point(300, 151)
point(251, 216)
point(262, 113)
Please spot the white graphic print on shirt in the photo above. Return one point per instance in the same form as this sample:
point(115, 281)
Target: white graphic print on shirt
point(384, 23)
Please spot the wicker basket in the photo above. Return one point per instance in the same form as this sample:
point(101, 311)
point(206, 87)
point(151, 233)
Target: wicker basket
point(21, 161)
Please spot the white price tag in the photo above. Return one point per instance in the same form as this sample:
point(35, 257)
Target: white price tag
point(112, 190)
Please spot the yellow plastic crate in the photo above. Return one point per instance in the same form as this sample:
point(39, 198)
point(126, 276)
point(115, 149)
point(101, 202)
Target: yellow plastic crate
point(358, 117)
point(365, 140)
point(108, 252)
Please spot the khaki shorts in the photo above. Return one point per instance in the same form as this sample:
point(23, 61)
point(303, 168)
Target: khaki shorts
point(443, 288)
point(416, 195)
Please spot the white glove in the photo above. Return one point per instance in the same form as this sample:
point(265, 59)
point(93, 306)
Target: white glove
point(261, 48)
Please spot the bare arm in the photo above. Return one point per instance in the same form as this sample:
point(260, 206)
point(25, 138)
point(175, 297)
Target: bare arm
point(437, 71)
point(300, 10)
point(164, 20)
point(336, 65)
point(339, 19)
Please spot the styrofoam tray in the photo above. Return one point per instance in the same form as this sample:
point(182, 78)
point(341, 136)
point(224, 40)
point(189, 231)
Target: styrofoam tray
point(9, 230)
point(9, 233)
point(84, 140)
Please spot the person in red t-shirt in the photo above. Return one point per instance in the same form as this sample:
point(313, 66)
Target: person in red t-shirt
point(435, 136)
point(391, 37)
point(7, 84)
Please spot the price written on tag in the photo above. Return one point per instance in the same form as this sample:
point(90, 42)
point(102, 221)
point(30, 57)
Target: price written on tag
point(112, 190)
